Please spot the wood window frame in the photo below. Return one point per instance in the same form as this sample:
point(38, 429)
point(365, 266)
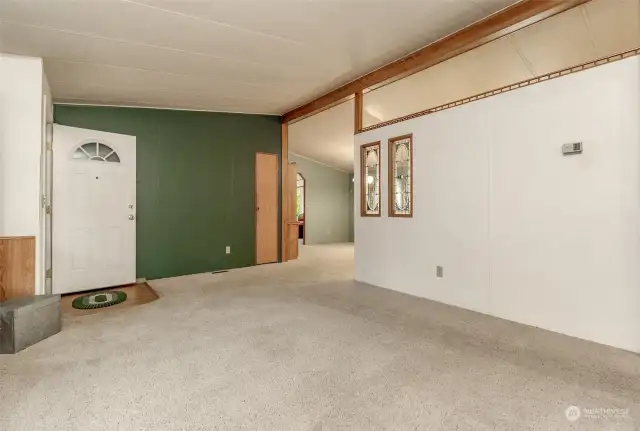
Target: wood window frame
point(391, 194)
point(363, 182)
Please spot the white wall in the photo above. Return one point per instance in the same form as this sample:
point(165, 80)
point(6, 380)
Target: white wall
point(22, 86)
point(523, 232)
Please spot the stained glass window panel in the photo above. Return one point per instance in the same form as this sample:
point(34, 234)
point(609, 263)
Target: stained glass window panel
point(370, 179)
point(401, 176)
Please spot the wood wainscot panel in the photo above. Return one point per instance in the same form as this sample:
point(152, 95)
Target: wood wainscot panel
point(17, 267)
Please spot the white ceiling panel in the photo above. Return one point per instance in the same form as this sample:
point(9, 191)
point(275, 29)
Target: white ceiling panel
point(495, 64)
point(561, 41)
point(298, 21)
point(127, 77)
point(439, 84)
point(614, 24)
point(597, 29)
point(326, 137)
point(417, 22)
point(133, 95)
point(47, 43)
point(155, 104)
point(129, 21)
point(269, 56)
point(594, 30)
point(485, 68)
point(492, 6)
point(278, 53)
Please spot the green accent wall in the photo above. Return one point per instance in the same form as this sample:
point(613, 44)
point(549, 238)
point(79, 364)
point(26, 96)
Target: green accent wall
point(196, 183)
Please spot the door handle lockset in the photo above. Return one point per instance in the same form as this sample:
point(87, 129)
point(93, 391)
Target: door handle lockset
point(132, 217)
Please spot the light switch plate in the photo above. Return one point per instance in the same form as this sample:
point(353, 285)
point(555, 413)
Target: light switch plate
point(228, 249)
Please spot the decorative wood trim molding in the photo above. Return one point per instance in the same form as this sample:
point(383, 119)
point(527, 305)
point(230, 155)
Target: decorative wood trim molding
point(357, 121)
point(507, 88)
point(363, 183)
point(392, 211)
point(511, 19)
point(284, 162)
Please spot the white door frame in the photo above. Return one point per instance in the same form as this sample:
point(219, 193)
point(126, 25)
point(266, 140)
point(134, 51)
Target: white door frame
point(47, 193)
point(49, 209)
point(43, 239)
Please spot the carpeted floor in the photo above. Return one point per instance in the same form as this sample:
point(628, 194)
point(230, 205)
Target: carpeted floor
point(299, 346)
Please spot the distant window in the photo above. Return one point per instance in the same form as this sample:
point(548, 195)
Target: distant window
point(370, 180)
point(300, 197)
point(96, 151)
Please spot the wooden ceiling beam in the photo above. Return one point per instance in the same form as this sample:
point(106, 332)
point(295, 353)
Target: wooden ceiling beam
point(508, 20)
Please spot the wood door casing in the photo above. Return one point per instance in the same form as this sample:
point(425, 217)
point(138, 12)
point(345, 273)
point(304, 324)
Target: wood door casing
point(292, 218)
point(266, 208)
point(283, 189)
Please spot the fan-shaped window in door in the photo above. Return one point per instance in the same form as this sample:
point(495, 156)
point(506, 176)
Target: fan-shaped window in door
point(96, 151)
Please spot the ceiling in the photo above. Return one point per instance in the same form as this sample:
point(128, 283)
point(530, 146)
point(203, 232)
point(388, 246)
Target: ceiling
point(327, 137)
point(594, 30)
point(253, 56)
point(582, 34)
point(269, 56)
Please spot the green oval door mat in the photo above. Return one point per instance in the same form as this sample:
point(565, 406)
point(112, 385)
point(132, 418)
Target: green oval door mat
point(99, 299)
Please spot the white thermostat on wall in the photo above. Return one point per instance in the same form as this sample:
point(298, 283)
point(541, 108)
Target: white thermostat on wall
point(570, 149)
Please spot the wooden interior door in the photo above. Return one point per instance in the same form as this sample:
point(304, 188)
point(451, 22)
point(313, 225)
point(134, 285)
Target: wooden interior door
point(292, 218)
point(266, 208)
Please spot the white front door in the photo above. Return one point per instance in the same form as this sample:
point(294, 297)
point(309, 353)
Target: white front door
point(94, 198)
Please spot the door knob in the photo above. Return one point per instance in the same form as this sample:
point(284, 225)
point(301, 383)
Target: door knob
point(132, 217)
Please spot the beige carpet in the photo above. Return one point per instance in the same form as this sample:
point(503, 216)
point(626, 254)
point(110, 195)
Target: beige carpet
point(299, 346)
